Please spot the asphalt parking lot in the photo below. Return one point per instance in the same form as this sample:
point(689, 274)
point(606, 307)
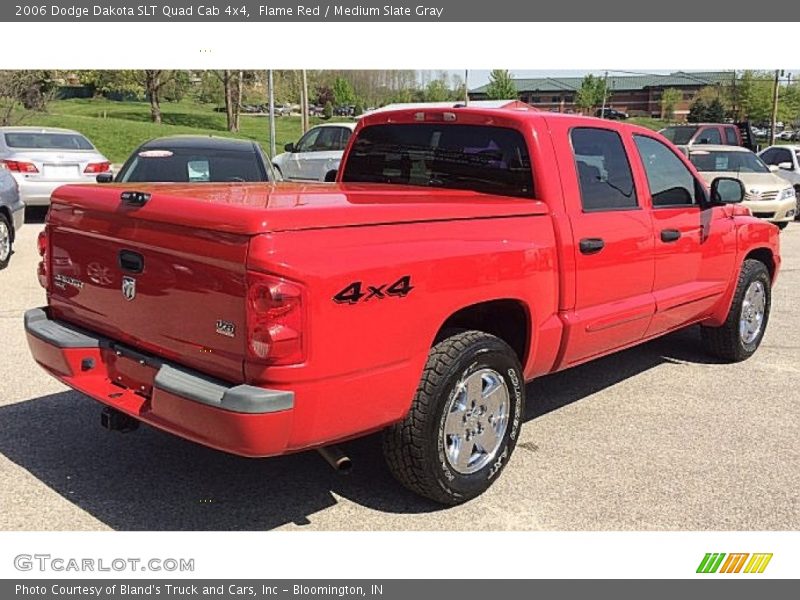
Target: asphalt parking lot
point(657, 437)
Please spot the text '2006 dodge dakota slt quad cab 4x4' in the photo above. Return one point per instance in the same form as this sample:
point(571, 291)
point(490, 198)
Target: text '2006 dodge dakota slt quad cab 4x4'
point(461, 253)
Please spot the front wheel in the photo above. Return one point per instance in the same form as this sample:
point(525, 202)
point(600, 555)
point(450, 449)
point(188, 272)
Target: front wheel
point(464, 420)
point(741, 334)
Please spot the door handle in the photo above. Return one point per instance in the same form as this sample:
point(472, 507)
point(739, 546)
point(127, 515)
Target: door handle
point(670, 235)
point(591, 245)
point(130, 261)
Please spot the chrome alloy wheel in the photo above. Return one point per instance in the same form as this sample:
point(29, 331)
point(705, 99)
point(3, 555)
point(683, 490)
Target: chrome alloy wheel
point(476, 421)
point(5, 241)
point(753, 308)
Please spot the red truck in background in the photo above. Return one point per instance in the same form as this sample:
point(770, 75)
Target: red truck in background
point(461, 253)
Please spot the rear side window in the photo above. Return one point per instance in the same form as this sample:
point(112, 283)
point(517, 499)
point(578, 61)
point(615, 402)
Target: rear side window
point(47, 141)
point(731, 137)
point(193, 167)
point(492, 160)
point(603, 170)
point(671, 182)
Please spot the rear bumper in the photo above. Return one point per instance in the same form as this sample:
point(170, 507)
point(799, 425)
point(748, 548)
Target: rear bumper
point(240, 419)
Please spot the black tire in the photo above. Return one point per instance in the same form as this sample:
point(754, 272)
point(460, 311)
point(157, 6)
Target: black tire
point(782, 225)
point(726, 342)
point(416, 448)
point(6, 229)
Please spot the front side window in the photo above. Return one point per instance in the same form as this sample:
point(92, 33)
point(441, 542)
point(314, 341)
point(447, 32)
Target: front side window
point(308, 141)
point(709, 135)
point(604, 174)
point(671, 183)
point(776, 156)
point(482, 158)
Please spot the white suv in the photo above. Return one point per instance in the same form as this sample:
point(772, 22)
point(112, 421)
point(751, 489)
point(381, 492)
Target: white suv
point(316, 156)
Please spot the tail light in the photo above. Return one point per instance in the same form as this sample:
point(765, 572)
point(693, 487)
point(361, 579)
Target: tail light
point(19, 166)
point(275, 320)
point(41, 246)
point(98, 167)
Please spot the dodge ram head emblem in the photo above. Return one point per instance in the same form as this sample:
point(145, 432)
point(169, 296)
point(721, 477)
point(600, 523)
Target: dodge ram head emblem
point(128, 288)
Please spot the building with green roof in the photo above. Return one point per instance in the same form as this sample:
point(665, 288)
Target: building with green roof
point(636, 94)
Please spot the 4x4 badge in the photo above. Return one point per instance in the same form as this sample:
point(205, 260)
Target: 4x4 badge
point(128, 288)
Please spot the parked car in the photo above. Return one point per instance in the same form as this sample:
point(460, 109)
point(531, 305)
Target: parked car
point(12, 216)
point(417, 295)
point(611, 113)
point(42, 158)
point(194, 159)
point(786, 134)
point(728, 134)
point(787, 159)
point(316, 156)
point(767, 195)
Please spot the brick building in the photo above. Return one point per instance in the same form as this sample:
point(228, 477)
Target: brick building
point(638, 95)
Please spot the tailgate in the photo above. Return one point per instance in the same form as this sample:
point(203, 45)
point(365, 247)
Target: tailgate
point(174, 291)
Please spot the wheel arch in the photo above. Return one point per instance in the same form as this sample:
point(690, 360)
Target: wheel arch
point(507, 318)
point(763, 255)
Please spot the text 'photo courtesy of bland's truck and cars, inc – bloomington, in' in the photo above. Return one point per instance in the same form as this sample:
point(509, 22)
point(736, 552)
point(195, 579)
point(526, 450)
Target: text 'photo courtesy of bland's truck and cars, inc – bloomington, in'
point(433, 278)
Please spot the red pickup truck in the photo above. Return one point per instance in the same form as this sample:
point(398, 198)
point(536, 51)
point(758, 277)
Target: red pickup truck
point(461, 253)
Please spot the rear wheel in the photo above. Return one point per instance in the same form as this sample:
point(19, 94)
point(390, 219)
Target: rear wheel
point(464, 421)
point(741, 334)
point(6, 241)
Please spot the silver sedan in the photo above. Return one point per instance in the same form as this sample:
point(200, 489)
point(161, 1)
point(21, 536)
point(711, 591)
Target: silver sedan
point(44, 158)
point(12, 216)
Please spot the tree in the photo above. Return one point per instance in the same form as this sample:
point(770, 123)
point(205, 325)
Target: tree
point(715, 112)
point(358, 110)
point(753, 96)
point(327, 112)
point(591, 94)
point(436, 91)
point(154, 81)
point(697, 111)
point(669, 100)
point(324, 94)
point(118, 82)
point(501, 85)
point(343, 92)
point(27, 89)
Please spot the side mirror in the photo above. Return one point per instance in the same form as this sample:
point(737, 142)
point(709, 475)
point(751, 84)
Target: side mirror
point(106, 177)
point(289, 147)
point(786, 166)
point(726, 190)
point(774, 168)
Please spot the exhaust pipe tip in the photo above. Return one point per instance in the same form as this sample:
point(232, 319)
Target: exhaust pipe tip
point(337, 459)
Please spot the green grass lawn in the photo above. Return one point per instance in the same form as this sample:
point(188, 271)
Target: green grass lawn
point(117, 128)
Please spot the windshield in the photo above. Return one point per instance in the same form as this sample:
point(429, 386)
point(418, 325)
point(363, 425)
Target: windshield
point(193, 166)
point(492, 160)
point(679, 134)
point(736, 162)
point(47, 141)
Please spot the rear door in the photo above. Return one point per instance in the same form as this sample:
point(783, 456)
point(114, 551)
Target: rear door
point(613, 242)
point(694, 245)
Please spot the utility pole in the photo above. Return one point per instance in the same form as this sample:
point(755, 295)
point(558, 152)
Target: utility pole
point(304, 101)
point(466, 87)
point(272, 151)
point(605, 89)
point(778, 74)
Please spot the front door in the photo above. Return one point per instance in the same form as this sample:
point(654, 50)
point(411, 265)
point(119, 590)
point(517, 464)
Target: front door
point(612, 243)
point(694, 244)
